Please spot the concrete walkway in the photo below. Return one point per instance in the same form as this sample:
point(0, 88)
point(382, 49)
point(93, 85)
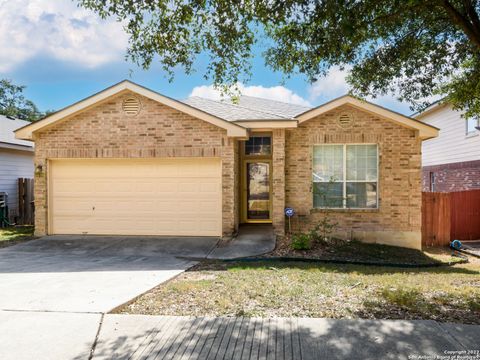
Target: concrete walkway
point(252, 240)
point(164, 337)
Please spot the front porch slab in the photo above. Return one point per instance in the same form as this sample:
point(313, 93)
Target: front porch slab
point(252, 240)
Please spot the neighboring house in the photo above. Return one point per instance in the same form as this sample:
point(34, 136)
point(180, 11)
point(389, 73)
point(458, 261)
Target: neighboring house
point(16, 160)
point(451, 162)
point(128, 160)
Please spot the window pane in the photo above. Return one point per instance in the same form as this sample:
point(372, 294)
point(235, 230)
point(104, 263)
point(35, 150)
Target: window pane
point(471, 124)
point(328, 194)
point(361, 162)
point(361, 195)
point(327, 163)
point(258, 145)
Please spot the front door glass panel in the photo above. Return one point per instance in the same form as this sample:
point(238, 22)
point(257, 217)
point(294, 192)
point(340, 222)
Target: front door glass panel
point(258, 191)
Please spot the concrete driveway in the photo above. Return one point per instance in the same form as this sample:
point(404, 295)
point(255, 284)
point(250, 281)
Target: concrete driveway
point(54, 290)
point(90, 274)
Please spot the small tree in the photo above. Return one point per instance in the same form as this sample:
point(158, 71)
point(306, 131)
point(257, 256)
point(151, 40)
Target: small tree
point(14, 104)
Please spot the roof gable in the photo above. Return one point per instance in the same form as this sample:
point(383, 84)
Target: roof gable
point(425, 131)
point(26, 132)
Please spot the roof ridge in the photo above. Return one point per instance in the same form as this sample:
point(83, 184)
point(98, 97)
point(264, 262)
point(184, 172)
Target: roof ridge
point(243, 107)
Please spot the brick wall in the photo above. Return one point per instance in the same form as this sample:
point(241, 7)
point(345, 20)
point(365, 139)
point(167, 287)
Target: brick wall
point(452, 177)
point(397, 221)
point(104, 131)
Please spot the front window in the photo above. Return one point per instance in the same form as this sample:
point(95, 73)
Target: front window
point(472, 124)
point(345, 176)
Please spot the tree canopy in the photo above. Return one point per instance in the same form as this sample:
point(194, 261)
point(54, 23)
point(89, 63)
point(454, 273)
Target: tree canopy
point(415, 48)
point(14, 104)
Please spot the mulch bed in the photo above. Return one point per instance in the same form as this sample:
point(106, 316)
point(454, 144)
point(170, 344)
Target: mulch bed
point(362, 253)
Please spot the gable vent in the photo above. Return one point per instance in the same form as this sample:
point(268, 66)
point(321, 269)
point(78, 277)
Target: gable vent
point(131, 106)
point(345, 120)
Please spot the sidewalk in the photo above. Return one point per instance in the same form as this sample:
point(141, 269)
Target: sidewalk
point(164, 337)
point(71, 336)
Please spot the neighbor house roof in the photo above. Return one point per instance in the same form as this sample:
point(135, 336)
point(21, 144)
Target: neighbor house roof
point(7, 135)
point(26, 132)
point(430, 108)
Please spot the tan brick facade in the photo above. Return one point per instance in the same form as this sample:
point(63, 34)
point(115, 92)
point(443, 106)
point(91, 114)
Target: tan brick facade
point(104, 131)
point(397, 221)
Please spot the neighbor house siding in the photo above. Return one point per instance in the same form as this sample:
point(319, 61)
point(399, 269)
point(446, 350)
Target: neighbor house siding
point(14, 164)
point(397, 220)
point(452, 144)
point(453, 158)
point(104, 131)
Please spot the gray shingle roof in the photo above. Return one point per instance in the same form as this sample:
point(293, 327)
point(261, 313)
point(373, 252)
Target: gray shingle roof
point(7, 126)
point(280, 108)
point(247, 108)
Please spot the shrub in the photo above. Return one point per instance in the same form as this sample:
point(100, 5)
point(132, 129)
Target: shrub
point(406, 298)
point(301, 242)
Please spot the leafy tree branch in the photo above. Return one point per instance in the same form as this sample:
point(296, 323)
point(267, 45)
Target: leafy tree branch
point(415, 48)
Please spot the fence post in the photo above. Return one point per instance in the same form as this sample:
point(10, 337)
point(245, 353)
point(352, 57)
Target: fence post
point(25, 201)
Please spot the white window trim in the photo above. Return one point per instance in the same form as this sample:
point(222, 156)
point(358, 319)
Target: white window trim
point(474, 131)
point(344, 181)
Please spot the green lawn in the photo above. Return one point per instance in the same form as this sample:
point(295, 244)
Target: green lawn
point(272, 289)
point(15, 234)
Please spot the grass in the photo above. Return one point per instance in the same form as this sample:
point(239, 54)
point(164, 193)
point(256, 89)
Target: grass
point(278, 289)
point(15, 234)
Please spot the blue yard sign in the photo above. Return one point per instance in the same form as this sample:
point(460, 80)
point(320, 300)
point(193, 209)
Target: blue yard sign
point(289, 212)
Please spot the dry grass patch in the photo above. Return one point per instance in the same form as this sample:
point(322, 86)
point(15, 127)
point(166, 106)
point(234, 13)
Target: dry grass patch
point(271, 289)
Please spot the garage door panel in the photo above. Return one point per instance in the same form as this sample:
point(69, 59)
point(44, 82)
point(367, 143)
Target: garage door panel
point(81, 186)
point(136, 196)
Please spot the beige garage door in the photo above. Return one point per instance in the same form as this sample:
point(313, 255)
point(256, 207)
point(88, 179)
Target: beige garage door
point(136, 197)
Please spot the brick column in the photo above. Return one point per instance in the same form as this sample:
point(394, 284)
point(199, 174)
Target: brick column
point(278, 178)
point(40, 195)
point(228, 187)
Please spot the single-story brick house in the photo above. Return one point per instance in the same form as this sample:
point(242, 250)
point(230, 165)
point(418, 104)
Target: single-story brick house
point(128, 160)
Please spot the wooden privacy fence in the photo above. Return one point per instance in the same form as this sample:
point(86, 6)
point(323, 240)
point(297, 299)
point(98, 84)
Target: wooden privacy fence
point(25, 202)
point(449, 216)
